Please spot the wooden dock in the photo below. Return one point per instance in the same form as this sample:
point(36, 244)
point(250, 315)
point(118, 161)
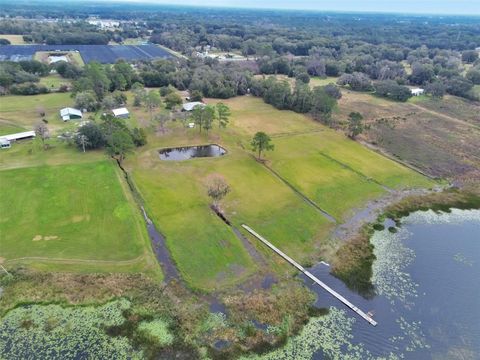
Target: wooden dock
point(311, 276)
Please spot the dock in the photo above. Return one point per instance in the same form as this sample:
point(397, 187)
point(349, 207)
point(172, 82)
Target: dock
point(312, 277)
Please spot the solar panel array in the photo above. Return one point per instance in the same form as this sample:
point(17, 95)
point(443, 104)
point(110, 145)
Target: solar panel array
point(105, 54)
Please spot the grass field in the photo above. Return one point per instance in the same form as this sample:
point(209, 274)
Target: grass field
point(336, 173)
point(436, 136)
point(14, 39)
point(202, 246)
point(78, 215)
point(23, 111)
point(54, 81)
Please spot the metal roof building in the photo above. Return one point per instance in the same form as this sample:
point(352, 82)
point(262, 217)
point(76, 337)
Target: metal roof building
point(70, 114)
point(191, 105)
point(121, 113)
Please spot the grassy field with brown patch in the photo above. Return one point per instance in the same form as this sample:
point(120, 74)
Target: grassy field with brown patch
point(14, 39)
point(437, 136)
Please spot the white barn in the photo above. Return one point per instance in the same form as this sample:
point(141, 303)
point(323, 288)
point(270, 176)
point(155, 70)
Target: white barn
point(70, 114)
point(4, 143)
point(191, 105)
point(417, 91)
point(121, 113)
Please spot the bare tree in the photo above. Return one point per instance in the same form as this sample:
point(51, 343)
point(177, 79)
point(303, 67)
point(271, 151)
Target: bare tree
point(162, 120)
point(217, 188)
point(41, 130)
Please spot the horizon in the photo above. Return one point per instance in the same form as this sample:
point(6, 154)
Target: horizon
point(407, 7)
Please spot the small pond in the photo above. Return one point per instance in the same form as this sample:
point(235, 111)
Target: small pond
point(189, 152)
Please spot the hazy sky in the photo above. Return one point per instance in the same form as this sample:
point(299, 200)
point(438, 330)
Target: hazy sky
point(470, 7)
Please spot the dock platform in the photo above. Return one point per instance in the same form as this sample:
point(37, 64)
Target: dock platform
point(311, 276)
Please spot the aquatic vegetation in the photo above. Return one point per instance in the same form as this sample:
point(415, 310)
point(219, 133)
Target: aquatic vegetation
point(158, 331)
point(56, 332)
point(330, 335)
point(454, 216)
point(462, 259)
point(392, 257)
point(412, 334)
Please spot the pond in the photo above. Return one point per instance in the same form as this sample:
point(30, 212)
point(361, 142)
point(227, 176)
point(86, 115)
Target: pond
point(189, 152)
point(426, 277)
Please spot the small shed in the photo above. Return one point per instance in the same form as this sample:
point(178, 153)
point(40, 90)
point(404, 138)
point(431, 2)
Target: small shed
point(191, 105)
point(20, 136)
point(4, 143)
point(121, 113)
point(70, 114)
point(417, 91)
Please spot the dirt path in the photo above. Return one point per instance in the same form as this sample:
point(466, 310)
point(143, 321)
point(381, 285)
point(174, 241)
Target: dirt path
point(446, 117)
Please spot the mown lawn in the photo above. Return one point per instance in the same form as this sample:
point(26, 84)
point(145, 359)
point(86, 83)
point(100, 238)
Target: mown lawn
point(69, 213)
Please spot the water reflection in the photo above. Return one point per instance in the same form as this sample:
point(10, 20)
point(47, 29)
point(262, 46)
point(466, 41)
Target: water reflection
point(189, 152)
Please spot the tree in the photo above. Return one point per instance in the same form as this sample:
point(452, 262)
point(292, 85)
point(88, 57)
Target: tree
point(223, 112)
point(391, 90)
point(93, 135)
point(139, 137)
point(172, 100)
point(333, 90)
point(86, 100)
point(436, 89)
point(421, 74)
point(41, 130)
point(139, 94)
point(217, 188)
point(162, 120)
point(469, 56)
point(261, 142)
point(322, 105)
point(459, 86)
point(109, 103)
point(152, 101)
point(355, 124)
point(208, 114)
point(474, 75)
point(196, 95)
point(357, 81)
point(82, 141)
point(119, 144)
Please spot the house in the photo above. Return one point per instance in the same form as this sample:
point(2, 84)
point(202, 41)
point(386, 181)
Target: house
point(70, 114)
point(121, 113)
point(191, 105)
point(417, 91)
point(4, 143)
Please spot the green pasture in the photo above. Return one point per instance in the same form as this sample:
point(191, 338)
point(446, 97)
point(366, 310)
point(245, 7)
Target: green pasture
point(78, 215)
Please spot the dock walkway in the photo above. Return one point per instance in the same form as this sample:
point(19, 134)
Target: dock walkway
point(311, 276)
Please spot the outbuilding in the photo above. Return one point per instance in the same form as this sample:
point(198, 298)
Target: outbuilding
point(70, 114)
point(4, 143)
point(417, 91)
point(191, 105)
point(121, 113)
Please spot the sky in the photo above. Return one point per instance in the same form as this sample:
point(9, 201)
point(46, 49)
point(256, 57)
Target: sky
point(468, 7)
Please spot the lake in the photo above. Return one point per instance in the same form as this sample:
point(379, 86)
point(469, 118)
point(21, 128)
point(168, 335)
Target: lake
point(427, 280)
point(189, 152)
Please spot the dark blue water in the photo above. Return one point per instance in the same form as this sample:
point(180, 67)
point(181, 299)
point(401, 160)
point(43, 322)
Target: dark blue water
point(427, 277)
point(189, 152)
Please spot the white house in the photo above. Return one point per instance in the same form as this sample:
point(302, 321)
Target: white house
point(4, 143)
point(70, 114)
point(121, 113)
point(191, 105)
point(417, 91)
